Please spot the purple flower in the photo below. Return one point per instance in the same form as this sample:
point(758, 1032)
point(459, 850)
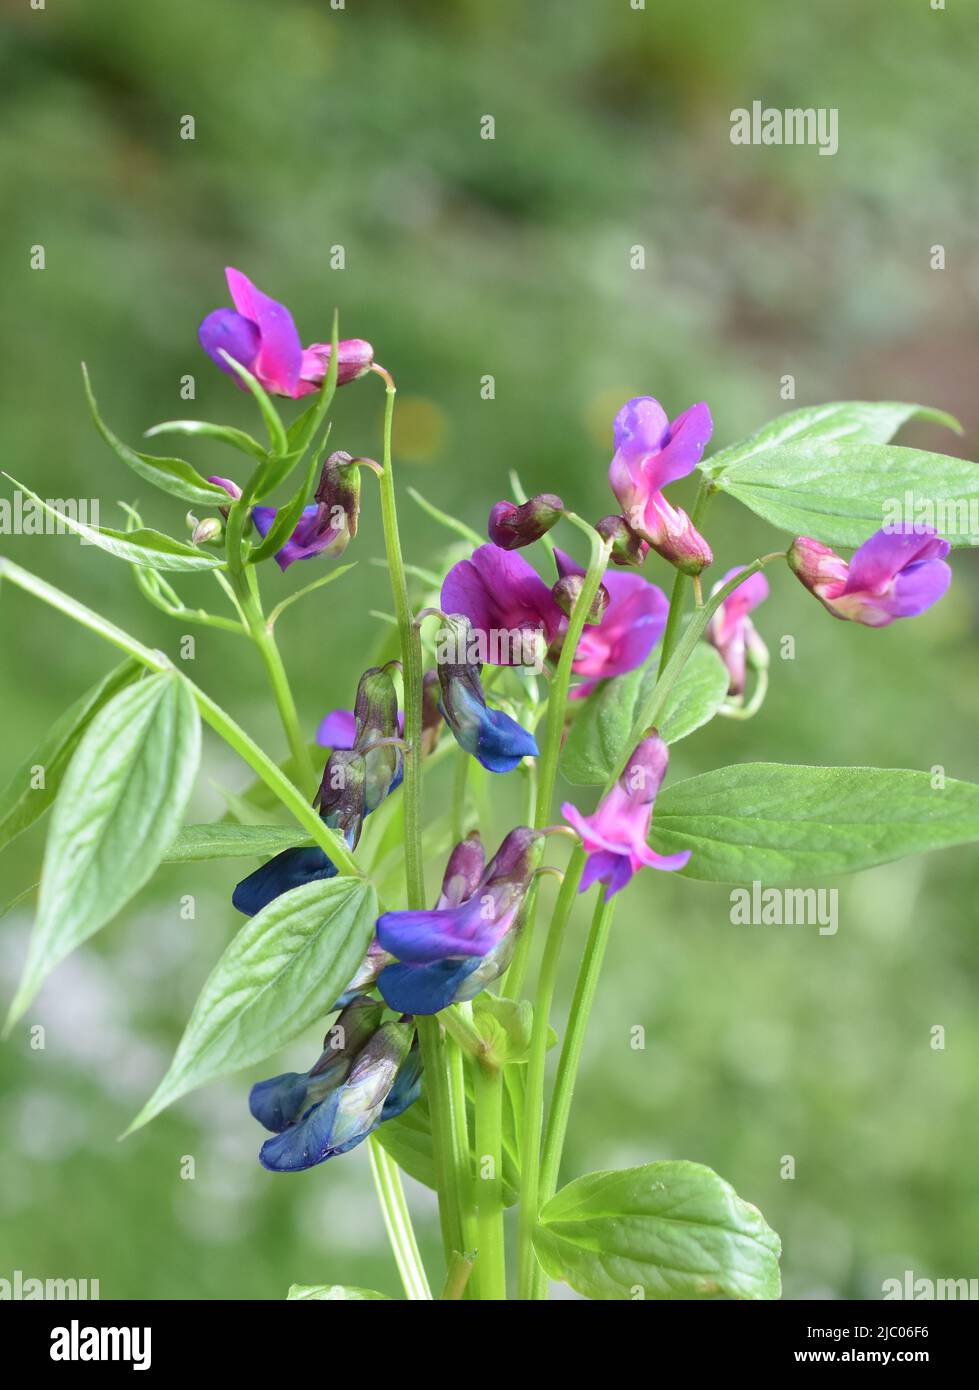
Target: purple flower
point(894, 574)
point(632, 625)
point(327, 525)
point(650, 452)
point(615, 836)
point(495, 740)
point(500, 593)
point(261, 335)
point(338, 729)
point(732, 632)
point(453, 951)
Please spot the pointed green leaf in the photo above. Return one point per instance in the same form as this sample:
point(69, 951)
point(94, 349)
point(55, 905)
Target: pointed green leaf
point(777, 823)
point(287, 517)
point(120, 805)
point(225, 840)
point(281, 973)
point(21, 804)
point(171, 475)
point(140, 547)
point(857, 422)
point(665, 1230)
point(277, 434)
point(599, 737)
point(226, 434)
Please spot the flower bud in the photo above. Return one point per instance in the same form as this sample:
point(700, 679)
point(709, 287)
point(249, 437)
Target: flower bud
point(628, 548)
point(208, 531)
point(672, 534)
point(816, 564)
point(566, 593)
point(511, 527)
point(354, 358)
point(495, 740)
point(339, 493)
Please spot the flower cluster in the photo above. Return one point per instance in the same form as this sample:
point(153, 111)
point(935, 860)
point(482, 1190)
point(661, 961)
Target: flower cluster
point(498, 610)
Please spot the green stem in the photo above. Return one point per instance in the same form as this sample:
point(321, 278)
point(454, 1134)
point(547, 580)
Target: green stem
point(704, 493)
point(460, 1268)
point(490, 1262)
point(397, 1221)
point(574, 1037)
point(534, 1087)
point(460, 778)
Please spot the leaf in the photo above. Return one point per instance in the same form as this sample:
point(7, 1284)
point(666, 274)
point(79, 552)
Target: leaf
point(345, 1292)
point(226, 840)
point(140, 547)
point(670, 1230)
point(171, 475)
point(276, 430)
point(450, 522)
point(859, 422)
point(286, 518)
point(120, 805)
point(282, 972)
point(302, 430)
point(597, 743)
point(226, 434)
point(408, 1139)
point(775, 822)
point(20, 804)
point(841, 493)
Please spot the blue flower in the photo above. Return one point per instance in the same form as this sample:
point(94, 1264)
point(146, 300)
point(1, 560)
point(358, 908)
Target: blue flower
point(492, 737)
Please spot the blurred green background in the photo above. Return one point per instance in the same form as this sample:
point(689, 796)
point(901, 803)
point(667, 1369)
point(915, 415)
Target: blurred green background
point(360, 127)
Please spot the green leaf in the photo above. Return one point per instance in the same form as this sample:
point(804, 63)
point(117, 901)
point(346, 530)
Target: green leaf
point(599, 736)
point(226, 434)
point(140, 547)
point(451, 523)
point(171, 475)
point(346, 1293)
point(858, 422)
point(303, 430)
point(286, 518)
point(505, 1025)
point(20, 803)
point(841, 493)
point(120, 805)
point(277, 433)
point(225, 840)
point(282, 972)
point(408, 1139)
point(666, 1230)
point(775, 822)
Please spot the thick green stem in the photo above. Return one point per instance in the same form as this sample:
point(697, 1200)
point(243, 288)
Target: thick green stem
point(574, 1037)
point(534, 1086)
point(490, 1262)
point(457, 1279)
point(397, 1222)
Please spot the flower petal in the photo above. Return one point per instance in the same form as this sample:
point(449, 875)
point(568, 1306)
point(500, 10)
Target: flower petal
point(224, 330)
point(280, 355)
point(886, 553)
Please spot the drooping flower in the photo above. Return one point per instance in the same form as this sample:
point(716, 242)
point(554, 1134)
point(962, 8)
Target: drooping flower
point(512, 526)
point(895, 574)
point(327, 525)
point(451, 953)
point(495, 740)
point(632, 625)
point(615, 836)
point(355, 781)
point(733, 633)
point(651, 452)
point(504, 598)
point(260, 334)
point(368, 1073)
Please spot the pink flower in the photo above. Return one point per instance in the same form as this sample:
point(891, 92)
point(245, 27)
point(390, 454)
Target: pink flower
point(615, 836)
point(261, 335)
point(650, 452)
point(631, 626)
point(731, 630)
point(894, 574)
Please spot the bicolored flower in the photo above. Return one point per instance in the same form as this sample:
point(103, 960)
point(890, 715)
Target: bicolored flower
point(894, 574)
point(511, 527)
point(495, 740)
point(355, 781)
point(650, 453)
point(733, 633)
point(452, 952)
point(260, 334)
point(327, 525)
point(615, 836)
point(499, 592)
point(630, 628)
point(369, 1072)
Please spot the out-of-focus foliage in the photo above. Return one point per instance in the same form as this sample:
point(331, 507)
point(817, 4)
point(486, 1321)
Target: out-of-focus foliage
point(360, 128)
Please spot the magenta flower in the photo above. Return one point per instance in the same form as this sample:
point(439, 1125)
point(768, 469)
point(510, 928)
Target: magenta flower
point(499, 592)
point(650, 452)
point(511, 527)
point(261, 335)
point(615, 836)
point(631, 626)
point(732, 632)
point(894, 574)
